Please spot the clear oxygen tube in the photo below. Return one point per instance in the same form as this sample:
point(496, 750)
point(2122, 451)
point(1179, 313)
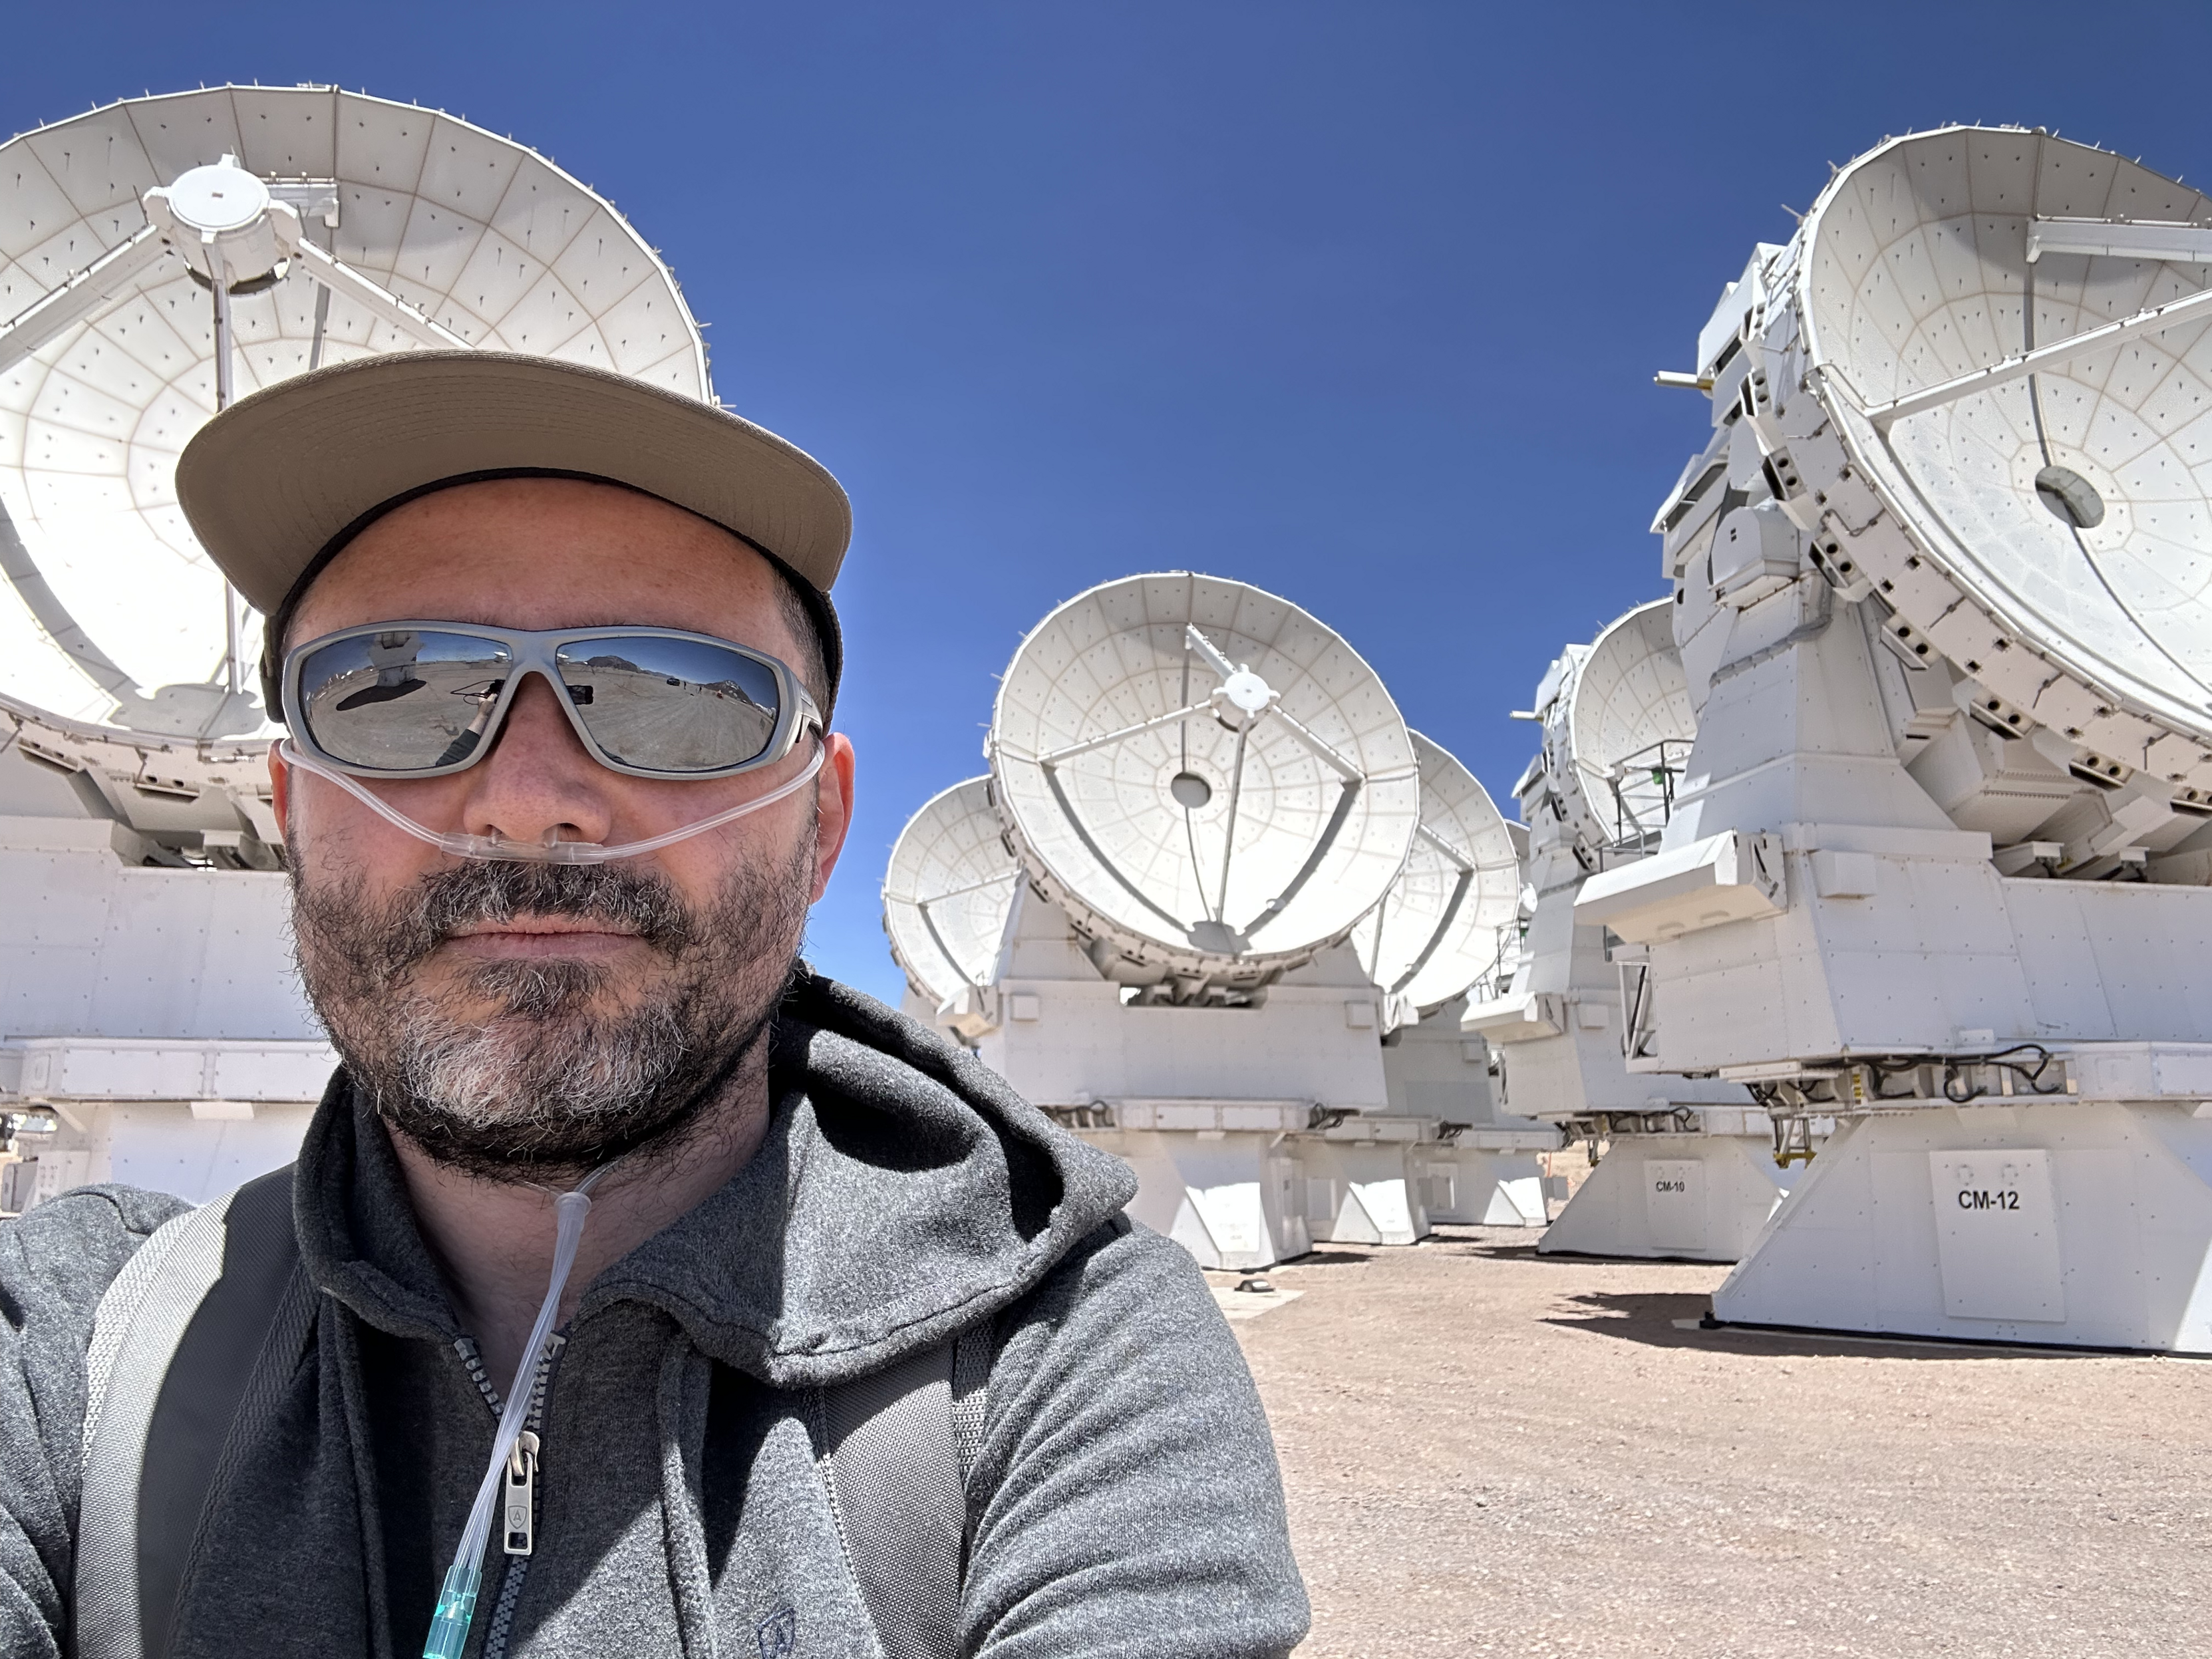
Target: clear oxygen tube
point(550, 850)
point(457, 1598)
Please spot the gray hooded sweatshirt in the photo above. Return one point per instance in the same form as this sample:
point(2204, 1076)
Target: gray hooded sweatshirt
point(1125, 1498)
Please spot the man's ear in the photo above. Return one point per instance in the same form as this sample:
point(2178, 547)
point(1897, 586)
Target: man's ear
point(833, 808)
point(280, 790)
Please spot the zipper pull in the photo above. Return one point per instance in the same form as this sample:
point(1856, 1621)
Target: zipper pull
point(521, 1494)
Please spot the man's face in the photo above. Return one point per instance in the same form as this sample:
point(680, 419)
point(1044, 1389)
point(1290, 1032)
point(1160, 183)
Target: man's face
point(514, 1018)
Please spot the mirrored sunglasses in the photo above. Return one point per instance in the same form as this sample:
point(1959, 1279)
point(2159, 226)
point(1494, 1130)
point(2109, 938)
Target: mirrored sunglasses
point(422, 699)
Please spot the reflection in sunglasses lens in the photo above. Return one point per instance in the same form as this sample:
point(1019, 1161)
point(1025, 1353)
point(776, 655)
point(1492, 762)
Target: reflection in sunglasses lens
point(671, 705)
point(403, 700)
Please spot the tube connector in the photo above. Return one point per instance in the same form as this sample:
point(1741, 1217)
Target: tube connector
point(457, 1606)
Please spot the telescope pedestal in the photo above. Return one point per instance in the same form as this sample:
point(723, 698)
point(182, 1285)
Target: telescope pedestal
point(1362, 1182)
point(1698, 1197)
point(164, 1146)
point(1891, 965)
point(2081, 1224)
point(1558, 1037)
point(1234, 1198)
point(1476, 1166)
point(1469, 1185)
point(152, 1010)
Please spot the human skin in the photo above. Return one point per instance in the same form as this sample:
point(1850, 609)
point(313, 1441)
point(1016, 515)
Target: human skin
point(541, 553)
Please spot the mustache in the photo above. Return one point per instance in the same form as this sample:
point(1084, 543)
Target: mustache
point(625, 899)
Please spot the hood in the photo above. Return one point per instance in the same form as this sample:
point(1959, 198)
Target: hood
point(903, 1193)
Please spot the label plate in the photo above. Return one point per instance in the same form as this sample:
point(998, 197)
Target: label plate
point(1996, 1235)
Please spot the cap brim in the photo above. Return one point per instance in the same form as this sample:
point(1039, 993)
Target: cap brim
point(267, 483)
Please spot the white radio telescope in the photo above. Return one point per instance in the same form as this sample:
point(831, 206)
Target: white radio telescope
point(2013, 327)
point(1437, 927)
point(948, 894)
point(1209, 782)
point(1942, 876)
point(162, 256)
point(1195, 911)
point(1618, 725)
point(1617, 728)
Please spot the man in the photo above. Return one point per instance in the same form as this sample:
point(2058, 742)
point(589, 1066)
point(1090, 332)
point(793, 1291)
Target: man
point(525, 616)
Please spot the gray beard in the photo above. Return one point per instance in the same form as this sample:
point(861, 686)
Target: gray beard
point(553, 1075)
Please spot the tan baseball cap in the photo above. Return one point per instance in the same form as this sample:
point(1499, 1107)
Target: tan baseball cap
point(272, 481)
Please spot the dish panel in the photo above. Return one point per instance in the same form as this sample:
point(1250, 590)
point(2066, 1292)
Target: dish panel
point(106, 593)
point(949, 891)
point(1438, 929)
point(1616, 737)
point(1914, 271)
point(1202, 773)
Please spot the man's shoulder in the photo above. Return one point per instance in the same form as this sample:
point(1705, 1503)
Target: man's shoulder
point(57, 1260)
point(1124, 1277)
point(1125, 1451)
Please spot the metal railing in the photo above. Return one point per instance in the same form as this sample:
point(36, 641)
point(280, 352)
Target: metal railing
point(1496, 980)
point(1655, 766)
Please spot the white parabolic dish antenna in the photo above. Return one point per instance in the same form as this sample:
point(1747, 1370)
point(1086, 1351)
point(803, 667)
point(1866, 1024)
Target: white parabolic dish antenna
point(315, 227)
point(1210, 783)
point(949, 891)
point(1618, 729)
point(1436, 929)
point(2012, 334)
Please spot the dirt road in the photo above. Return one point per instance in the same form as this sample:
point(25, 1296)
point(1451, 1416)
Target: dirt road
point(1489, 1451)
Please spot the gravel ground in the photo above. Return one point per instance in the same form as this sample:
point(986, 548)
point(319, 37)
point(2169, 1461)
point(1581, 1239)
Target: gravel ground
point(1488, 1451)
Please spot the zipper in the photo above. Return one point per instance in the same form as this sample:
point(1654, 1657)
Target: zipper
point(473, 1362)
point(519, 1499)
point(521, 1488)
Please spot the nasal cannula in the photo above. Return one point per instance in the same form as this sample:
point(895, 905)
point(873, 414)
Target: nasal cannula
point(457, 1598)
point(550, 850)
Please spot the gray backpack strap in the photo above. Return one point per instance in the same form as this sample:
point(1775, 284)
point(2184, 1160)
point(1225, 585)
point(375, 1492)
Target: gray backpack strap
point(186, 1343)
point(901, 1444)
point(971, 1378)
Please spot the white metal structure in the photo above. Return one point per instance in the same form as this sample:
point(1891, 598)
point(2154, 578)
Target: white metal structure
point(1690, 1171)
point(1937, 866)
point(158, 258)
point(1438, 926)
point(1481, 1168)
point(1207, 789)
point(1441, 925)
point(1222, 887)
point(1210, 783)
point(1617, 724)
point(948, 897)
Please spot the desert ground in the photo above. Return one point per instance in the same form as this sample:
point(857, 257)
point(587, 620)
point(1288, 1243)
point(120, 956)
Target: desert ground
point(1486, 1450)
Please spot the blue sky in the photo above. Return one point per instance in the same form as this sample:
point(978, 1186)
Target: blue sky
point(1358, 302)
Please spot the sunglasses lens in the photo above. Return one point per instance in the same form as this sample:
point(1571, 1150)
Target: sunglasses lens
point(403, 700)
point(673, 705)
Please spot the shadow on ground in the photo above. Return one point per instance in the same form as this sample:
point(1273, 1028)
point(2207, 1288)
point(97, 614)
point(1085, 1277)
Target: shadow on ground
point(1658, 1319)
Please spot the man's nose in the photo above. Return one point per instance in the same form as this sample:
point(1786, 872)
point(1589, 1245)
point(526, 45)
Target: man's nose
point(538, 776)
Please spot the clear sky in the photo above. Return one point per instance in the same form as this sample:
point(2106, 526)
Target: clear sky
point(1359, 302)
